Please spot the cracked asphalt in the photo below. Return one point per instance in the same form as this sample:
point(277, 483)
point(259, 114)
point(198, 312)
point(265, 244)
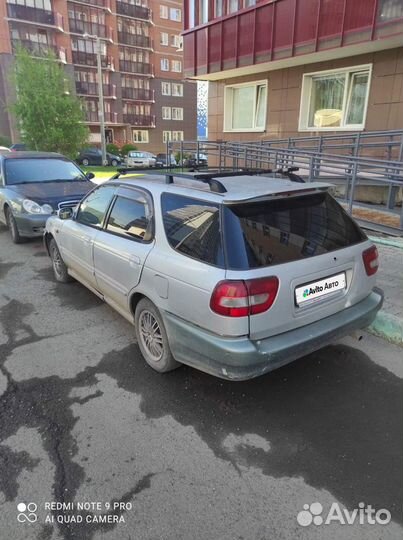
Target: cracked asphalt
point(181, 455)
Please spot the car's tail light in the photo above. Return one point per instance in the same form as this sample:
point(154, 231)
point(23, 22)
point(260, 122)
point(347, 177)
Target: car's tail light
point(370, 258)
point(243, 298)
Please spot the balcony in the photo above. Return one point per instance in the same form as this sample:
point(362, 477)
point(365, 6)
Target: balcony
point(93, 117)
point(139, 68)
point(105, 4)
point(139, 120)
point(35, 16)
point(137, 12)
point(39, 49)
point(138, 94)
point(277, 30)
point(77, 26)
point(90, 59)
point(85, 88)
point(135, 40)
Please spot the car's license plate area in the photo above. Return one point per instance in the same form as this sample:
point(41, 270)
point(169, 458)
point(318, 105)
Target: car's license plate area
point(319, 290)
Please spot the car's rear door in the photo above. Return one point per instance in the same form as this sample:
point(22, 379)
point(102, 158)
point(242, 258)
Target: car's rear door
point(122, 247)
point(310, 245)
point(76, 237)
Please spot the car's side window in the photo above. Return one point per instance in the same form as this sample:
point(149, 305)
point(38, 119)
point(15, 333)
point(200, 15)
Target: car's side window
point(192, 227)
point(130, 218)
point(93, 208)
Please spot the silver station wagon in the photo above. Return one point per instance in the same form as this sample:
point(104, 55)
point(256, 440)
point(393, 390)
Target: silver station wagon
point(235, 274)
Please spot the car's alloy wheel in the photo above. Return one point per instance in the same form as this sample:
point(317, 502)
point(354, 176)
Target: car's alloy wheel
point(152, 337)
point(13, 227)
point(114, 163)
point(59, 267)
point(86, 162)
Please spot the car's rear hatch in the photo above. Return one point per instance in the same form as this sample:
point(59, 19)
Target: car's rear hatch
point(307, 241)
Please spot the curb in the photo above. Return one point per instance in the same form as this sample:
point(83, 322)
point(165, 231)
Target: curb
point(391, 242)
point(388, 327)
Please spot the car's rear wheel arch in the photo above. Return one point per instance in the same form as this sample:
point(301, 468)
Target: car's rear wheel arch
point(134, 300)
point(48, 237)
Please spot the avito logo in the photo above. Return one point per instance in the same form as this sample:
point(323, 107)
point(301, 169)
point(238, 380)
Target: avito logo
point(364, 514)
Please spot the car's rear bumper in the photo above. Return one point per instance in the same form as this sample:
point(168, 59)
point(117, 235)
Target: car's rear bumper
point(31, 225)
point(241, 358)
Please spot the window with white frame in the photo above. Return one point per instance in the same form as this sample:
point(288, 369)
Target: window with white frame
point(163, 12)
point(176, 41)
point(176, 66)
point(177, 113)
point(245, 107)
point(164, 64)
point(166, 113)
point(166, 136)
point(177, 89)
point(175, 14)
point(165, 88)
point(140, 136)
point(335, 99)
point(164, 39)
point(177, 136)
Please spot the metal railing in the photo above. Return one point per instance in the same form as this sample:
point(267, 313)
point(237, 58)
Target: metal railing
point(350, 173)
point(381, 144)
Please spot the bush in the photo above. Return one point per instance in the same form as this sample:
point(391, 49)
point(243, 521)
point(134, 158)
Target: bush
point(5, 141)
point(126, 148)
point(113, 149)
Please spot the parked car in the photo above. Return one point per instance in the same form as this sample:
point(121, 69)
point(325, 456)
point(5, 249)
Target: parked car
point(195, 161)
point(163, 160)
point(18, 147)
point(140, 159)
point(33, 185)
point(93, 156)
point(235, 276)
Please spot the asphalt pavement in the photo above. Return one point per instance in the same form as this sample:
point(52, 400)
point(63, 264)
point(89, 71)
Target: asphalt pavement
point(96, 445)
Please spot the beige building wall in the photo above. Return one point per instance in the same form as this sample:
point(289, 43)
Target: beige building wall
point(385, 105)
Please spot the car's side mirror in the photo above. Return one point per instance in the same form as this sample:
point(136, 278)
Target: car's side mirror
point(65, 213)
point(90, 175)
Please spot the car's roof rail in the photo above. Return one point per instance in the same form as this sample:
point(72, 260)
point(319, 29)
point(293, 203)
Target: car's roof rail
point(209, 175)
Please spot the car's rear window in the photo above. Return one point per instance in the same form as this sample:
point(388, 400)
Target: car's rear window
point(192, 227)
point(284, 230)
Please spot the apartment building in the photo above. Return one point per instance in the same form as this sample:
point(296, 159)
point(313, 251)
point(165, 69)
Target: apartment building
point(282, 68)
point(146, 99)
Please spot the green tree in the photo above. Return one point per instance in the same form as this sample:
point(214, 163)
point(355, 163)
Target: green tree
point(49, 113)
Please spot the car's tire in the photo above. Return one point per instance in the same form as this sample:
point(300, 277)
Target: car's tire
point(114, 163)
point(85, 162)
point(13, 227)
point(59, 268)
point(152, 337)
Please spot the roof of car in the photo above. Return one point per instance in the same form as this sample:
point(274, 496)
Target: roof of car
point(29, 154)
point(238, 188)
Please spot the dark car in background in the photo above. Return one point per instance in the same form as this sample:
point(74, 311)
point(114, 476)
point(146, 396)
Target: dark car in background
point(194, 160)
point(163, 160)
point(18, 147)
point(93, 156)
point(34, 185)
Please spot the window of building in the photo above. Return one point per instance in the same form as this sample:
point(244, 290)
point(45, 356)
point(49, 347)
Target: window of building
point(164, 38)
point(176, 66)
point(164, 64)
point(163, 12)
point(192, 227)
point(176, 41)
point(203, 11)
point(166, 88)
point(177, 113)
point(38, 4)
point(128, 218)
point(233, 5)
point(175, 14)
point(166, 113)
point(166, 136)
point(177, 136)
point(140, 136)
point(245, 107)
point(335, 99)
point(249, 3)
point(218, 8)
point(177, 89)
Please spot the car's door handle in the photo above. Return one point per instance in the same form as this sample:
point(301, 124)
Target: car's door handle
point(134, 260)
point(87, 240)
